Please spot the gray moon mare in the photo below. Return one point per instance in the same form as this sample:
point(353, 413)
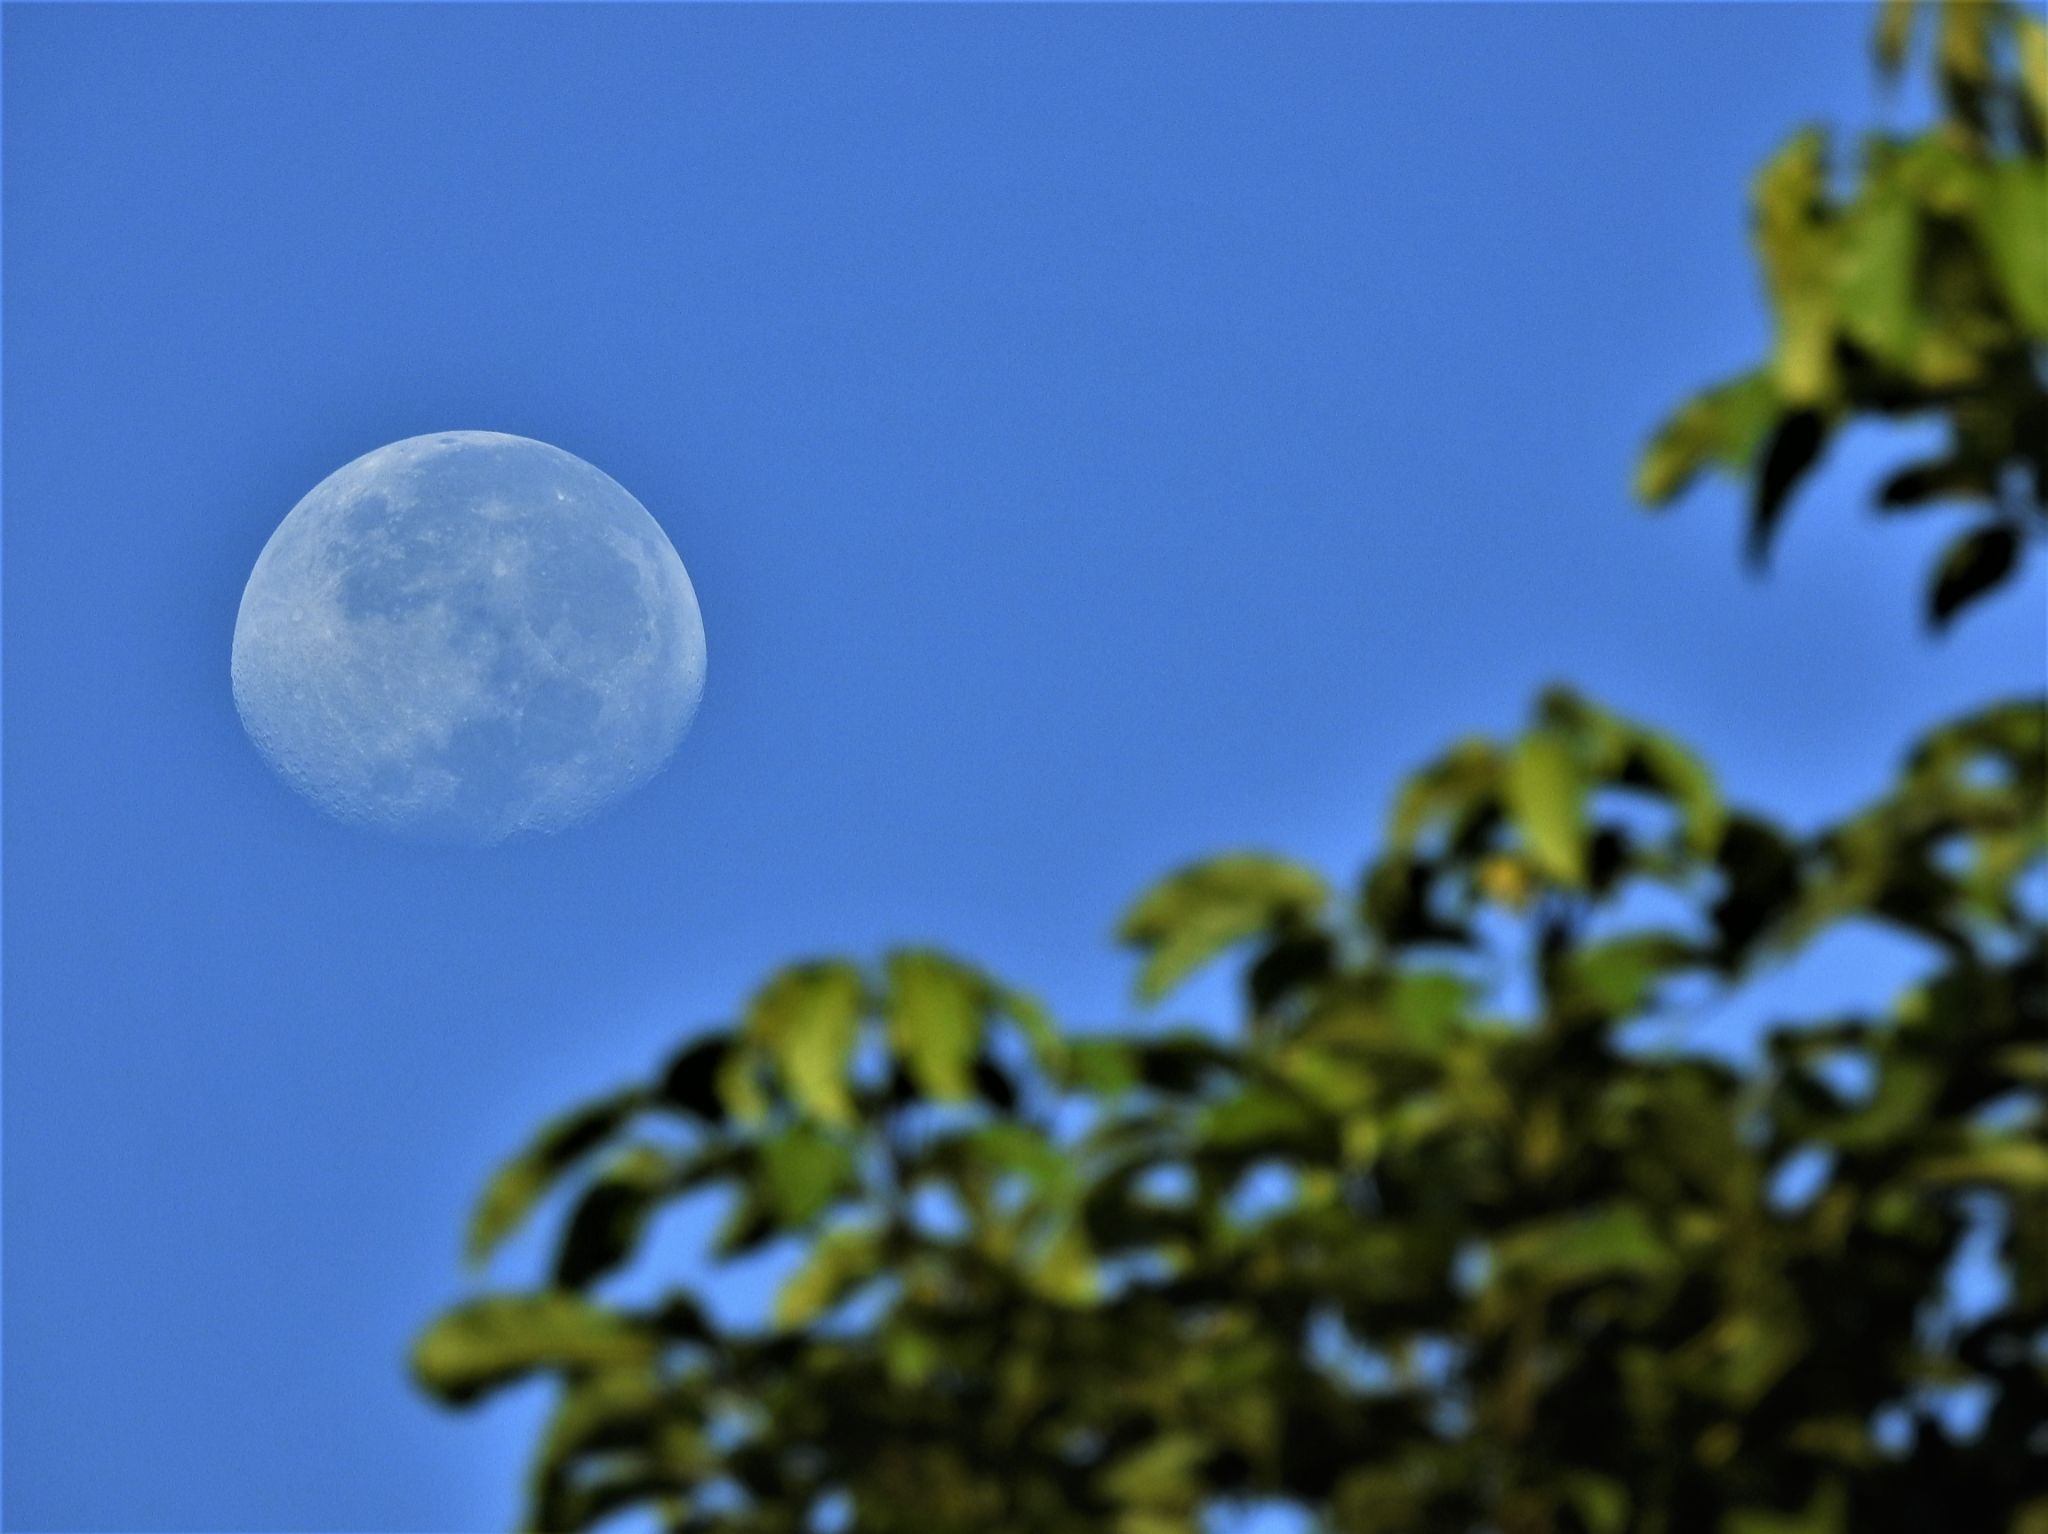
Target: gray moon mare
point(466, 636)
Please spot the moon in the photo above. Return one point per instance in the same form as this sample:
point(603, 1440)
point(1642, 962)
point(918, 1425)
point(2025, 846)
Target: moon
point(467, 636)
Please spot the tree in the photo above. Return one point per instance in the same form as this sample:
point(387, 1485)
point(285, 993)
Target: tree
point(1923, 294)
point(1439, 1235)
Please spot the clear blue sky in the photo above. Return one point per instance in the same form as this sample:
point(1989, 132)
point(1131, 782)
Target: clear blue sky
point(1096, 436)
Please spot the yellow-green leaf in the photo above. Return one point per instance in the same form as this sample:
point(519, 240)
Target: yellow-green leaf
point(1894, 33)
point(1723, 428)
point(490, 1342)
point(1193, 915)
point(936, 1011)
point(807, 1019)
point(2012, 217)
point(521, 1182)
point(1691, 786)
point(1799, 246)
point(2014, 1163)
point(839, 1261)
point(1064, 1269)
point(1877, 287)
point(2032, 35)
point(1452, 784)
point(1547, 795)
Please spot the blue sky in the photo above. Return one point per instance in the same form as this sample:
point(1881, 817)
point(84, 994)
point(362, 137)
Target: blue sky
point(1096, 435)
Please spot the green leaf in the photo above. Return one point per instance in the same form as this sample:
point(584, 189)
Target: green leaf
point(1048, 1046)
point(1894, 33)
point(1826, 1513)
point(1973, 567)
point(1952, 478)
point(1049, 1169)
point(1898, 1107)
point(611, 1215)
point(736, 1082)
point(491, 1342)
point(1690, 785)
point(1259, 1116)
point(1620, 978)
point(1101, 1067)
point(1721, 428)
point(1451, 787)
point(807, 1019)
point(1548, 797)
point(521, 1182)
point(936, 1011)
point(606, 1414)
point(1601, 1502)
point(1063, 1270)
point(749, 1226)
point(2014, 1164)
point(1429, 1005)
point(2012, 218)
point(804, 1170)
point(1878, 288)
point(1192, 916)
point(1799, 246)
point(1795, 445)
point(1184, 1063)
point(2031, 38)
point(1964, 46)
point(1161, 1473)
point(690, 1080)
point(1618, 1241)
point(839, 1261)
point(1760, 869)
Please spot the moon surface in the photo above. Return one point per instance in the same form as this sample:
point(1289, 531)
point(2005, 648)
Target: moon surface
point(465, 636)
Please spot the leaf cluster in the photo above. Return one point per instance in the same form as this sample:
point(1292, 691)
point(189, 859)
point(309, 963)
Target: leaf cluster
point(1918, 293)
point(1435, 1239)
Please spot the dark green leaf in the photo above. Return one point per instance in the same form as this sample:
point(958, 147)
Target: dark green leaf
point(1572, 1249)
point(1939, 479)
point(1288, 967)
point(1973, 567)
point(690, 1081)
point(522, 1181)
point(804, 1170)
point(1761, 885)
point(994, 1085)
point(609, 1219)
point(1618, 979)
point(1794, 445)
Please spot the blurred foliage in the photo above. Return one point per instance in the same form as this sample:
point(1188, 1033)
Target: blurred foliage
point(1442, 1237)
point(1457, 1227)
point(1917, 292)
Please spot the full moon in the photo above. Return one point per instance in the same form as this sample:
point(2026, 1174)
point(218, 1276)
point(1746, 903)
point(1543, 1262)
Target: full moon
point(466, 636)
